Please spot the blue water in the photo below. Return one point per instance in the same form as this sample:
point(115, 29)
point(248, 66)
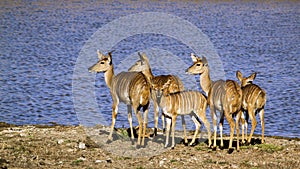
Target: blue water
point(40, 42)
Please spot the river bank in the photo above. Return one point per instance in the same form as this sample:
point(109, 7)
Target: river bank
point(37, 146)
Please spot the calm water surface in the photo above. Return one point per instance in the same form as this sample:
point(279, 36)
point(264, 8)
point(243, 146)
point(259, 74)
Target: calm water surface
point(40, 42)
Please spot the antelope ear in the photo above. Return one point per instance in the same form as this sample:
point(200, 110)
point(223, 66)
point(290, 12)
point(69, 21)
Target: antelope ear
point(204, 61)
point(252, 76)
point(144, 58)
point(100, 55)
point(109, 57)
point(194, 57)
point(239, 75)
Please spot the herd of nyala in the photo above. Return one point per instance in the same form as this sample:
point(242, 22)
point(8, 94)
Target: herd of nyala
point(138, 86)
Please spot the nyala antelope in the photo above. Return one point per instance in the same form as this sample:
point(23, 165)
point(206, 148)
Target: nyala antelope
point(224, 96)
point(175, 85)
point(191, 103)
point(131, 88)
point(254, 100)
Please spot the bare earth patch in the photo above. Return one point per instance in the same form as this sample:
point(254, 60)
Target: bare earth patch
point(79, 147)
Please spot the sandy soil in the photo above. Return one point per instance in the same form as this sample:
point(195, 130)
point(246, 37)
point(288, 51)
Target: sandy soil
point(79, 147)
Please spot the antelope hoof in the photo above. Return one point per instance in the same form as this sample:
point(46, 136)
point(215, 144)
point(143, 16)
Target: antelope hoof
point(243, 144)
point(184, 142)
point(155, 131)
point(214, 148)
point(192, 144)
point(221, 147)
point(164, 130)
point(172, 147)
point(138, 146)
point(230, 150)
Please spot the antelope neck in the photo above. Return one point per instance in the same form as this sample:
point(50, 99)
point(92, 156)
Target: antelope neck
point(205, 81)
point(148, 74)
point(109, 75)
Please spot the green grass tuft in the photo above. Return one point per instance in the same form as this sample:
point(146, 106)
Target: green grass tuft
point(271, 148)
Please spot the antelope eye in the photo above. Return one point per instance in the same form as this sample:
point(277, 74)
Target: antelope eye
point(101, 63)
point(198, 64)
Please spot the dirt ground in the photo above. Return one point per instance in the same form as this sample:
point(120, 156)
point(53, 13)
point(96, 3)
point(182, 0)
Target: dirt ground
point(78, 147)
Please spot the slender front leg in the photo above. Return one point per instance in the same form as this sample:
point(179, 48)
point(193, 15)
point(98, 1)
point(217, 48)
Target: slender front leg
point(231, 123)
point(184, 129)
point(242, 120)
point(198, 125)
point(129, 109)
point(169, 121)
point(202, 116)
point(145, 110)
point(238, 130)
point(140, 120)
point(214, 119)
point(262, 121)
point(251, 112)
point(173, 130)
point(163, 121)
point(114, 117)
point(221, 129)
point(156, 113)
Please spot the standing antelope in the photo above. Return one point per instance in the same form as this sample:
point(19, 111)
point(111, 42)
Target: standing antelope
point(175, 85)
point(224, 96)
point(131, 88)
point(254, 100)
point(193, 103)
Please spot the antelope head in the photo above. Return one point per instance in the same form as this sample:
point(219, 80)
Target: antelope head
point(245, 80)
point(140, 65)
point(162, 90)
point(103, 64)
point(198, 66)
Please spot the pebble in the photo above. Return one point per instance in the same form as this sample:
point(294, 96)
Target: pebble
point(60, 141)
point(234, 166)
point(22, 134)
point(81, 158)
point(81, 145)
point(161, 163)
point(98, 161)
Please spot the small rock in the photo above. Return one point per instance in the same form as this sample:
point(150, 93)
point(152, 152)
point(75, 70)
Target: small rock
point(234, 166)
point(81, 158)
point(22, 134)
point(98, 161)
point(81, 145)
point(161, 163)
point(109, 161)
point(60, 141)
